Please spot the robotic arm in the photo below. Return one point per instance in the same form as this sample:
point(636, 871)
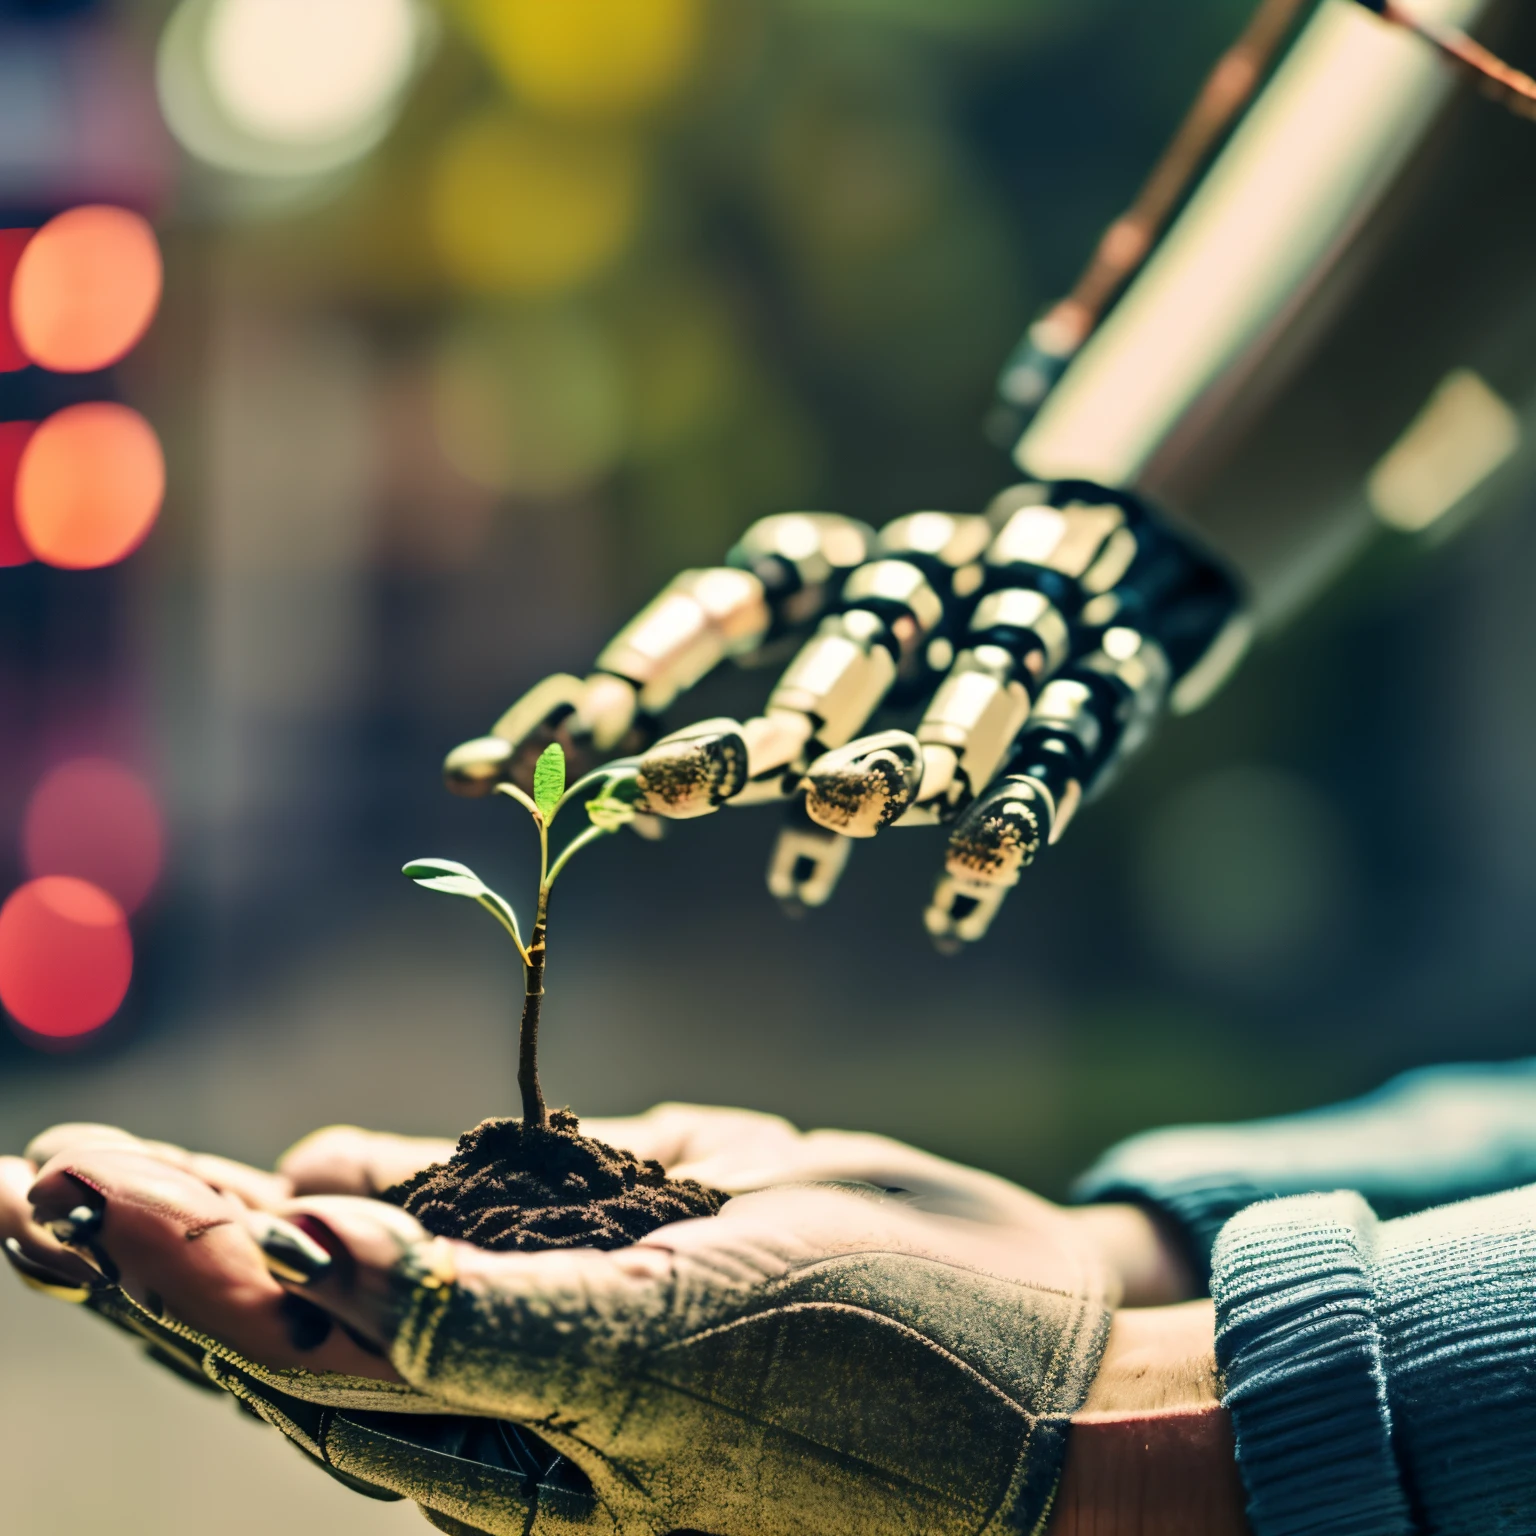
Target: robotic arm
point(1338, 331)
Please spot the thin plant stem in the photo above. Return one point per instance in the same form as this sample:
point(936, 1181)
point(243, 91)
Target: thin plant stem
point(591, 835)
point(535, 1116)
point(605, 775)
point(500, 916)
point(524, 799)
point(535, 953)
point(597, 775)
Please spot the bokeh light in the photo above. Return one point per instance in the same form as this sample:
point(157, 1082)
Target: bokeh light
point(529, 403)
point(1245, 878)
point(66, 957)
point(12, 243)
point(89, 485)
point(286, 88)
point(85, 288)
point(94, 819)
point(518, 208)
point(308, 71)
point(589, 58)
point(13, 438)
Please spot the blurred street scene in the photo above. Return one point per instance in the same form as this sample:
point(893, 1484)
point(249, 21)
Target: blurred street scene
point(434, 338)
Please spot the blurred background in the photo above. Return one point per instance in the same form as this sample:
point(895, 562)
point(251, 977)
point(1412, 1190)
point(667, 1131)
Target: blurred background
point(427, 342)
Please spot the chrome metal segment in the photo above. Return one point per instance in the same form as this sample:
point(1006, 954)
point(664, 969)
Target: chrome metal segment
point(1027, 614)
point(1084, 725)
point(990, 847)
point(801, 558)
point(1137, 667)
point(971, 723)
point(839, 677)
point(806, 863)
point(1019, 636)
point(783, 573)
point(1090, 546)
point(898, 588)
point(697, 620)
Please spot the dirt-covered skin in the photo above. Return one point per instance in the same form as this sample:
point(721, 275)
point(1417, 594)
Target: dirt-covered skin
point(505, 1188)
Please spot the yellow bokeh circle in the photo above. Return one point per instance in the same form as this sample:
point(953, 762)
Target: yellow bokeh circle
point(520, 208)
point(588, 58)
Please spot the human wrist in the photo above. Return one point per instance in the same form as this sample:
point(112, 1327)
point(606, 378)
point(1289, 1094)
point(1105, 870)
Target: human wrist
point(1150, 1452)
point(1142, 1249)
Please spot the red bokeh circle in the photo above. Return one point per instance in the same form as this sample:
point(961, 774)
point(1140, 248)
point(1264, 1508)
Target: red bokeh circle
point(12, 243)
point(94, 819)
point(13, 438)
point(65, 956)
point(85, 288)
point(89, 485)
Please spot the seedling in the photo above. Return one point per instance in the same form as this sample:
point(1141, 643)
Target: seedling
point(611, 808)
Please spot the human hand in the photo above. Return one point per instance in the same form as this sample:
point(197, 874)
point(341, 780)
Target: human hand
point(864, 1303)
point(741, 1151)
point(94, 1218)
point(1108, 1470)
point(735, 1150)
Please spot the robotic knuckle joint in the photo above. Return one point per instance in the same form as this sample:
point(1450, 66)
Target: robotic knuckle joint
point(1066, 540)
point(895, 584)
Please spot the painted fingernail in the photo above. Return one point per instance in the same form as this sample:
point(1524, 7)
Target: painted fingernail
point(29, 1266)
point(41, 1278)
point(79, 1227)
point(292, 1255)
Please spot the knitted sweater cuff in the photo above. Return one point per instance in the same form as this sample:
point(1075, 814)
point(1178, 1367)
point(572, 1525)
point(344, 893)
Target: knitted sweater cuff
point(1301, 1357)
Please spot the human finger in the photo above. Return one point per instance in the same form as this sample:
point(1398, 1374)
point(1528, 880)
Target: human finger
point(189, 1253)
point(523, 1325)
point(348, 1160)
point(47, 1145)
point(254, 1186)
point(685, 1137)
point(31, 1250)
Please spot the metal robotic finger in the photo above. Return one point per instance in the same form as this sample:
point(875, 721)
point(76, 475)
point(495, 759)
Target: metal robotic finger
point(1164, 638)
point(1045, 562)
point(891, 630)
point(780, 577)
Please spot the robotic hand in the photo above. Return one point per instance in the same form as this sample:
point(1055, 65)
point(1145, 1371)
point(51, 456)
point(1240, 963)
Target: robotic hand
point(1334, 335)
point(1032, 647)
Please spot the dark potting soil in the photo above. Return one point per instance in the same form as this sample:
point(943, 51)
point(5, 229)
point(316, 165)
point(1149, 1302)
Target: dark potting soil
point(550, 1187)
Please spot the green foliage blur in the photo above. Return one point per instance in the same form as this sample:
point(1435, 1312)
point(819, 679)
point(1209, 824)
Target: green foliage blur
point(726, 258)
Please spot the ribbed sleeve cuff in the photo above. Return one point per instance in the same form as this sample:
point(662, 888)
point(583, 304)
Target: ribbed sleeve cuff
point(1457, 1304)
point(1301, 1356)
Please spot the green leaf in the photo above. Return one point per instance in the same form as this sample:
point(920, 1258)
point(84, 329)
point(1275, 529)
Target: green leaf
point(460, 880)
point(623, 786)
point(549, 779)
point(609, 815)
point(446, 876)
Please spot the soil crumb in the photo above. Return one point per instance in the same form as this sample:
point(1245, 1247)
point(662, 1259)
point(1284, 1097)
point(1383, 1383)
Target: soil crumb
point(507, 1188)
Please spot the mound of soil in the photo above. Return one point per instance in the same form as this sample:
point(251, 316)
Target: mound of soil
point(508, 1188)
